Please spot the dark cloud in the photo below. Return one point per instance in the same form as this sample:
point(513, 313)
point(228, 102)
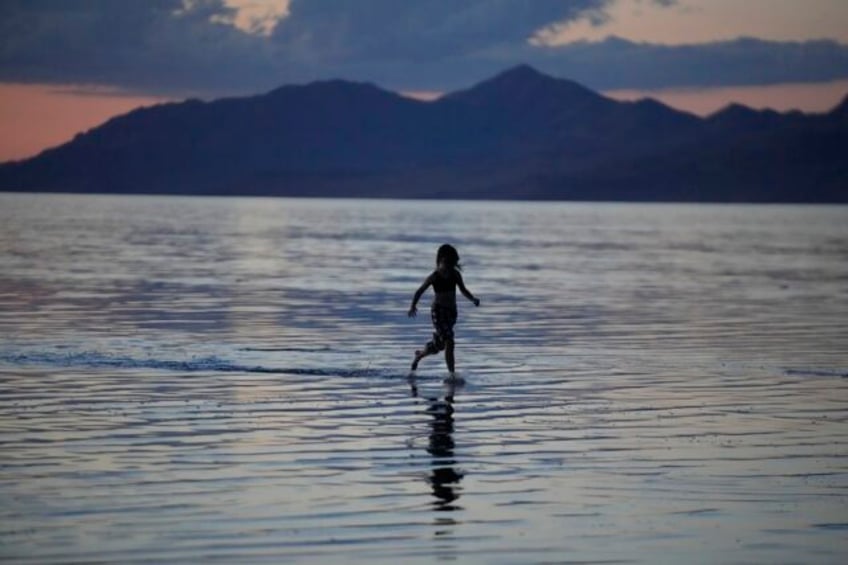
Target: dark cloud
point(153, 45)
point(435, 44)
point(170, 46)
point(616, 63)
point(341, 30)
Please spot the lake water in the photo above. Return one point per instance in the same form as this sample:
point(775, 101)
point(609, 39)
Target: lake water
point(194, 379)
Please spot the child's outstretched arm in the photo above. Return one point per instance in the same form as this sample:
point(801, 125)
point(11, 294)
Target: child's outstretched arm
point(465, 292)
point(413, 310)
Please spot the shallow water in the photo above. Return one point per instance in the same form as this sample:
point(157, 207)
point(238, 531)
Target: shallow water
point(196, 379)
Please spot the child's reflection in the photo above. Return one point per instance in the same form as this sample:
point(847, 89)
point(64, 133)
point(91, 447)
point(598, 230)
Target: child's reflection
point(444, 478)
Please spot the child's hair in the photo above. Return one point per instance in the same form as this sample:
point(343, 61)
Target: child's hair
point(450, 256)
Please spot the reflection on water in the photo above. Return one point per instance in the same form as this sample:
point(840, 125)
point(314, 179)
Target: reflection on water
point(185, 379)
point(444, 477)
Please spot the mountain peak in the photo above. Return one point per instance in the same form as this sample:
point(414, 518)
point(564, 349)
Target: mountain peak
point(734, 110)
point(331, 85)
point(524, 83)
point(522, 72)
point(737, 117)
point(337, 93)
point(518, 77)
point(841, 109)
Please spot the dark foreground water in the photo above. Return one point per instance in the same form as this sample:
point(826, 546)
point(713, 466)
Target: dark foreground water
point(187, 380)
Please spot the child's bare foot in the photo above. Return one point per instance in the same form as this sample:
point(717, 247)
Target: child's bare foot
point(418, 355)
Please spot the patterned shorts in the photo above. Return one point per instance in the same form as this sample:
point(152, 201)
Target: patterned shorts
point(444, 318)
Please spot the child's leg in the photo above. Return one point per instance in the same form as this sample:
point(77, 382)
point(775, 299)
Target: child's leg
point(419, 355)
point(430, 348)
point(446, 332)
point(449, 360)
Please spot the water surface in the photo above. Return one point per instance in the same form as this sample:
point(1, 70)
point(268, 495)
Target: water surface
point(185, 379)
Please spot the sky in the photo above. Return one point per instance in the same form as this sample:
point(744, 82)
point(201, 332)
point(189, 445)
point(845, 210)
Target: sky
point(69, 65)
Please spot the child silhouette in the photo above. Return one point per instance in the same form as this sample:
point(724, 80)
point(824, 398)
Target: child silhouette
point(444, 280)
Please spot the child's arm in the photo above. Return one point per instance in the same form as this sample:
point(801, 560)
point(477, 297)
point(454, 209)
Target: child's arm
point(427, 282)
point(465, 292)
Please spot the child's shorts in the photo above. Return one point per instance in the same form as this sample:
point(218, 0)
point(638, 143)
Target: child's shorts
point(444, 318)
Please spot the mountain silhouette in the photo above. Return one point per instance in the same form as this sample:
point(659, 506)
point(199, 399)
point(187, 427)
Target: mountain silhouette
point(519, 135)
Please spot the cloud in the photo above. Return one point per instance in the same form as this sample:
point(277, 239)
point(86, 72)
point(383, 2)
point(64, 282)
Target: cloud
point(210, 47)
point(258, 17)
point(684, 22)
point(433, 44)
point(339, 30)
point(156, 45)
point(617, 63)
point(172, 45)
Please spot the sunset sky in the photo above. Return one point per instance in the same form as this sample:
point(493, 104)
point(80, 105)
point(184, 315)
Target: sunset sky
point(68, 66)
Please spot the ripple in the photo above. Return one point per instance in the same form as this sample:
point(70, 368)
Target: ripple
point(227, 379)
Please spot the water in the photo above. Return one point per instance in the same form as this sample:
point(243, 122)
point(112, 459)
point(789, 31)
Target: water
point(184, 380)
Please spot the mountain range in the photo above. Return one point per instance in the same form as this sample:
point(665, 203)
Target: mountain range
point(519, 135)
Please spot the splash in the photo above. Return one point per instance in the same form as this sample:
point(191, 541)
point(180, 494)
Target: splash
point(206, 364)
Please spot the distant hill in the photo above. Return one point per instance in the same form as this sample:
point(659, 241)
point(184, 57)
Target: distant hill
point(518, 135)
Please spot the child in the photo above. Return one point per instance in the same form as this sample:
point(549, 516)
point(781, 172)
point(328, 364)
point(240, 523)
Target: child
point(444, 279)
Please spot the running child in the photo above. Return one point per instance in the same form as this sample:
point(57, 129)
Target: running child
point(445, 280)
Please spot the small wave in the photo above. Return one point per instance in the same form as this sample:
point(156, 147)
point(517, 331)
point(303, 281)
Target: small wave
point(287, 349)
point(196, 364)
point(96, 359)
point(832, 526)
point(816, 373)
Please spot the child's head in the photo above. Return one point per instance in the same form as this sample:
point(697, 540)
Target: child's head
point(447, 253)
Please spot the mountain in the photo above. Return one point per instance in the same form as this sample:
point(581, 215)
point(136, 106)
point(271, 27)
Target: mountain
point(521, 134)
point(841, 111)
